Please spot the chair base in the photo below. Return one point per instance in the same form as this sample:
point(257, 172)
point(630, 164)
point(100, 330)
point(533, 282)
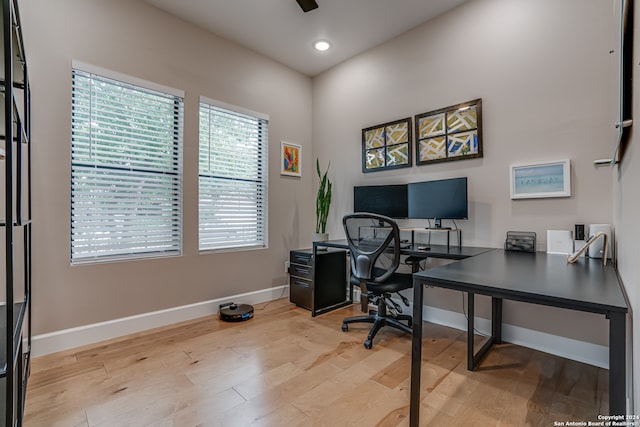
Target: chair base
point(379, 319)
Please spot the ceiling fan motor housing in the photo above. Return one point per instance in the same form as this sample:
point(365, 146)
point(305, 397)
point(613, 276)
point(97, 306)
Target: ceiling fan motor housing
point(307, 5)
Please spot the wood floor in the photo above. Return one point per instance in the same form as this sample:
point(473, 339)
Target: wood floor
point(285, 368)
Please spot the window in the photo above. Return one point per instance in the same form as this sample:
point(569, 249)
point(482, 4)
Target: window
point(126, 173)
point(232, 177)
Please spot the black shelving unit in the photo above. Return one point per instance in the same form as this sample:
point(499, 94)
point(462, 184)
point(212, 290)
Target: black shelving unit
point(15, 160)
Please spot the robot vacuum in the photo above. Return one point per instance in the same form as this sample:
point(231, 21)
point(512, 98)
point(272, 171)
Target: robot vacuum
point(231, 312)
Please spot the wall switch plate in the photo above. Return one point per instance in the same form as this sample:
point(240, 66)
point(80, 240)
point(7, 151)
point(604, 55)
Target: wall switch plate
point(286, 266)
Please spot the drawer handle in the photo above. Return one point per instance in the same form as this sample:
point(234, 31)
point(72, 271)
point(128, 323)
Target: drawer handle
point(301, 284)
point(301, 270)
point(302, 258)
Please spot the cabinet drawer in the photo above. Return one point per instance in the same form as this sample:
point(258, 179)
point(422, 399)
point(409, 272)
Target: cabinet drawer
point(300, 292)
point(301, 271)
point(300, 257)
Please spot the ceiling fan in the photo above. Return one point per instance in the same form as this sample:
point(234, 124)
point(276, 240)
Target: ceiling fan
point(307, 5)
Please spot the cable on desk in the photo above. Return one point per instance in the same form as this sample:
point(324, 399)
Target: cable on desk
point(464, 310)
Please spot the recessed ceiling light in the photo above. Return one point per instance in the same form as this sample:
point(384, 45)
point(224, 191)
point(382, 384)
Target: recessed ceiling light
point(322, 45)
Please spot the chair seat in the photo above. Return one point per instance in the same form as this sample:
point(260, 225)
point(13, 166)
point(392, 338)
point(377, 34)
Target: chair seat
point(397, 282)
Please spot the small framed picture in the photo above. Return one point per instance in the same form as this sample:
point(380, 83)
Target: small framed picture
point(540, 180)
point(290, 159)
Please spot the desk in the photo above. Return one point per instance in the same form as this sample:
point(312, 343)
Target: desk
point(537, 278)
point(435, 251)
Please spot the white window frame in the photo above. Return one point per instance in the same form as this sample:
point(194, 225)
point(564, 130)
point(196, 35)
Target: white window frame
point(152, 178)
point(232, 241)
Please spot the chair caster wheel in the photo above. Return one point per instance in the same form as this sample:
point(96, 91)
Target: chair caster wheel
point(368, 344)
point(345, 327)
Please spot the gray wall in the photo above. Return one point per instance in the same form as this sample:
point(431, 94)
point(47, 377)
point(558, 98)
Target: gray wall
point(133, 38)
point(544, 74)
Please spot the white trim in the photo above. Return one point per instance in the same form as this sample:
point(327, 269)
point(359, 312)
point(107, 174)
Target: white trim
point(89, 334)
point(121, 77)
point(234, 108)
point(569, 348)
point(592, 354)
point(581, 351)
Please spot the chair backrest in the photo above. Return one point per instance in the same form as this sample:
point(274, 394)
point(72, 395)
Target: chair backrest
point(369, 236)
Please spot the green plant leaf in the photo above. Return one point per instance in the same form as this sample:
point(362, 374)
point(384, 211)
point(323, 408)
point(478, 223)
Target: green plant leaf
point(323, 199)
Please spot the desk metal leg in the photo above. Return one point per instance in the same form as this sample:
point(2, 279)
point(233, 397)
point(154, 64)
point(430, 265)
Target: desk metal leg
point(496, 319)
point(496, 330)
point(470, 327)
point(617, 363)
point(416, 356)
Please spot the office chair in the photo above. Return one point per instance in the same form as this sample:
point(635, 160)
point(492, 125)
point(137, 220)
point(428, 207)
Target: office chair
point(374, 243)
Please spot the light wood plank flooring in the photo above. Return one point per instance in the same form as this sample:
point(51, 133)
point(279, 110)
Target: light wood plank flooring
point(285, 368)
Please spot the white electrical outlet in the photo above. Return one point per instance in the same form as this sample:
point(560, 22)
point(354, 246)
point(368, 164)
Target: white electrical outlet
point(286, 266)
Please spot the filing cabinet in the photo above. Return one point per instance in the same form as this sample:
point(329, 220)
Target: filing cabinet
point(318, 286)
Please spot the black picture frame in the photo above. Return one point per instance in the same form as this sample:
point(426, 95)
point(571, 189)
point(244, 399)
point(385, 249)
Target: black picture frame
point(387, 146)
point(450, 133)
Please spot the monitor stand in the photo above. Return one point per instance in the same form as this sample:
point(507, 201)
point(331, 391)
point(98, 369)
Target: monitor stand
point(437, 225)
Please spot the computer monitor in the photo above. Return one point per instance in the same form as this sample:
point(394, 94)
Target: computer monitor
point(388, 200)
point(438, 200)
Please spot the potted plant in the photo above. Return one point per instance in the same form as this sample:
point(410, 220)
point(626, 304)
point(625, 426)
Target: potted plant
point(323, 202)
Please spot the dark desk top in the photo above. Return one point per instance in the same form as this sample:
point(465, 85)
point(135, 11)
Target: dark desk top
point(539, 278)
point(435, 251)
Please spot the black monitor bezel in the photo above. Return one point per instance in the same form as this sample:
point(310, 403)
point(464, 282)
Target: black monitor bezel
point(382, 188)
point(413, 197)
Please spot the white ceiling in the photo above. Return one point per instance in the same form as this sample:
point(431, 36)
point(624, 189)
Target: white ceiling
point(280, 30)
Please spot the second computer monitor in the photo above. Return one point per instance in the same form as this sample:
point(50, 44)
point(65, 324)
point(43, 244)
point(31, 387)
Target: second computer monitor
point(440, 199)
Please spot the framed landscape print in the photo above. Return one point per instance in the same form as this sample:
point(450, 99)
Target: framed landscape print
point(538, 180)
point(451, 133)
point(387, 146)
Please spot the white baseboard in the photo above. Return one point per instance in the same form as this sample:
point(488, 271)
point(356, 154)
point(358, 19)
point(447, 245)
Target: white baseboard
point(89, 334)
point(581, 351)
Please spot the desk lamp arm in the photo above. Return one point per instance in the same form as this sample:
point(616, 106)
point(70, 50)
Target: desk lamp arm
point(574, 257)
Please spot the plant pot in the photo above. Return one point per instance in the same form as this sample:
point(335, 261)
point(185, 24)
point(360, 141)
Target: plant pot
point(320, 237)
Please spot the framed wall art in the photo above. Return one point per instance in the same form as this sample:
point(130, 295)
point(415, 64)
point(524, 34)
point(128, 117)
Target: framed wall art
point(451, 133)
point(387, 146)
point(543, 179)
point(290, 159)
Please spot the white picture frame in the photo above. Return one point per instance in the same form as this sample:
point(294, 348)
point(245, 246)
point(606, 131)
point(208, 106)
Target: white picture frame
point(290, 159)
point(540, 179)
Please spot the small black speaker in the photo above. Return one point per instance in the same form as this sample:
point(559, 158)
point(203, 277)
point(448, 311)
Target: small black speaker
point(579, 234)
